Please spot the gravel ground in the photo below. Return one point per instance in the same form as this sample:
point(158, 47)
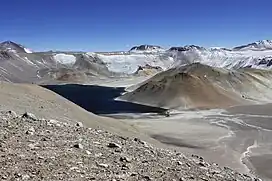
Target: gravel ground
point(39, 149)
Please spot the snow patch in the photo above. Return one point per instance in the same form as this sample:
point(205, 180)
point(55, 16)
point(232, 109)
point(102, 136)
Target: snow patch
point(27, 50)
point(29, 62)
point(65, 59)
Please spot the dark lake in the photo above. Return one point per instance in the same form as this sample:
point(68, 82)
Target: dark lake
point(100, 99)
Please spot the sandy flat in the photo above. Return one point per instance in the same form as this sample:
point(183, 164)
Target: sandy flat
point(195, 136)
point(262, 165)
point(262, 109)
point(258, 119)
point(240, 138)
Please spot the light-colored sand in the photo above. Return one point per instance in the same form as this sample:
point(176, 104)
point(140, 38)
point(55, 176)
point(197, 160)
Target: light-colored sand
point(258, 121)
point(262, 165)
point(232, 138)
point(262, 109)
point(194, 136)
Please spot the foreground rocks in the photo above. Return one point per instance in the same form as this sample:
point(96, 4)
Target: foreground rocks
point(39, 149)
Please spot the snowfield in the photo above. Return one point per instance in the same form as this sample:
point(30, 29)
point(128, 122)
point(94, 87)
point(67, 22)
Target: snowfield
point(65, 58)
point(129, 63)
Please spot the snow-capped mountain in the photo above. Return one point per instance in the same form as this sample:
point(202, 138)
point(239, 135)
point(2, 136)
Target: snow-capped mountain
point(243, 57)
point(14, 47)
point(225, 58)
point(186, 48)
point(18, 65)
point(48, 66)
point(259, 45)
point(146, 48)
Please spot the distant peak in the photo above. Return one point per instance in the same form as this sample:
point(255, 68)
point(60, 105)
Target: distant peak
point(9, 42)
point(186, 48)
point(258, 45)
point(194, 46)
point(146, 48)
point(263, 41)
point(14, 47)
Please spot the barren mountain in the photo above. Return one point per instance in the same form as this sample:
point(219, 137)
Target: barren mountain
point(201, 86)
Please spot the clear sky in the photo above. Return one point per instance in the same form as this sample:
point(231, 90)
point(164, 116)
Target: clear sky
point(103, 25)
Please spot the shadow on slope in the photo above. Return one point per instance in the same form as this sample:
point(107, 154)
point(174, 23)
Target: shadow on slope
point(168, 140)
point(99, 99)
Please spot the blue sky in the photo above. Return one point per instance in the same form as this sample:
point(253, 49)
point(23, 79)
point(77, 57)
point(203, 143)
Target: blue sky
point(103, 25)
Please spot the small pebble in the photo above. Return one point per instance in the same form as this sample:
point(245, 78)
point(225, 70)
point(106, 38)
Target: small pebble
point(103, 165)
point(79, 124)
point(29, 116)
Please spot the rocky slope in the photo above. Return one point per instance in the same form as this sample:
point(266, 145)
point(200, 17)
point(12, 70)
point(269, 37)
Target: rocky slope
point(40, 149)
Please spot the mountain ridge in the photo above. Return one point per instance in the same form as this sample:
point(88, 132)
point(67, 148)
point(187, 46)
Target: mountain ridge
point(258, 45)
point(18, 65)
